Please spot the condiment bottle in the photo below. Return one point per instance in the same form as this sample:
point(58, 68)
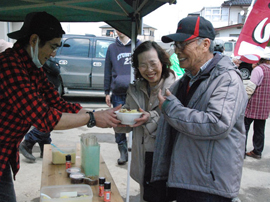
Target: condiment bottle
point(107, 192)
point(101, 186)
point(68, 161)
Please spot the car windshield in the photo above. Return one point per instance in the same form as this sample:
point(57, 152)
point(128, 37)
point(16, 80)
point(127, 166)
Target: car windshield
point(228, 46)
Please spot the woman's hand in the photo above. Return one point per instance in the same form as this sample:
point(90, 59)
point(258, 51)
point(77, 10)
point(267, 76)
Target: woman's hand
point(143, 119)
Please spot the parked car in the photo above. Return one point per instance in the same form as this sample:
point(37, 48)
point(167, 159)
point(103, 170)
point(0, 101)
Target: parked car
point(229, 46)
point(82, 59)
point(52, 70)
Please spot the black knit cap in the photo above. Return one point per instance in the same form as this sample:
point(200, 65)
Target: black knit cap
point(190, 28)
point(40, 23)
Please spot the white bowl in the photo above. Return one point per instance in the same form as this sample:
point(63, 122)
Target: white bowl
point(127, 118)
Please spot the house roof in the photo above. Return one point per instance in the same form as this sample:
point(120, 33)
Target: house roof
point(144, 26)
point(237, 3)
point(229, 27)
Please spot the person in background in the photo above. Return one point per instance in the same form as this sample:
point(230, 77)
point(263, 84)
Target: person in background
point(28, 99)
point(176, 67)
point(52, 70)
point(258, 107)
point(201, 132)
point(116, 81)
point(236, 61)
point(152, 73)
point(218, 46)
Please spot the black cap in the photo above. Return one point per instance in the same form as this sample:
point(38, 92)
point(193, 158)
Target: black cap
point(190, 28)
point(68, 157)
point(102, 180)
point(107, 185)
point(40, 23)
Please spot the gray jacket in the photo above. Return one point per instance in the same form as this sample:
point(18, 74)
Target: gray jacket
point(143, 137)
point(201, 146)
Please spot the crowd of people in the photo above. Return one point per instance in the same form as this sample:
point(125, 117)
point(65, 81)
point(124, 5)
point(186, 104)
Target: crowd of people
point(189, 143)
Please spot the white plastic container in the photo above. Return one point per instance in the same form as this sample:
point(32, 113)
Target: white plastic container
point(59, 153)
point(66, 193)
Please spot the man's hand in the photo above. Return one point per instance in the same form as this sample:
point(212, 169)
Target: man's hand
point(108, 100)
point(107, 118)
point(236, 61)
point(162, 98)
point(143, 119)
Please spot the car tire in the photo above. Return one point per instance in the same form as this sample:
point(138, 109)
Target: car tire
point(245, 73)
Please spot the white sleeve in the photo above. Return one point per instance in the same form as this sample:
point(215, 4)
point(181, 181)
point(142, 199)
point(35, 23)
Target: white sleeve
point(250, 88)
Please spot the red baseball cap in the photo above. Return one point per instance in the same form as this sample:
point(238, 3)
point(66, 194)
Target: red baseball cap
point(191, 27)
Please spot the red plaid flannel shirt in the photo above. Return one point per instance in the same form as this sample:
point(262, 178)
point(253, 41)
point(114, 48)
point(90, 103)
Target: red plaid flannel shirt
point(26, 98)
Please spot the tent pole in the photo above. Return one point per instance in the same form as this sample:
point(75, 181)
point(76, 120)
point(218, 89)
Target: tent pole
point(133, 42)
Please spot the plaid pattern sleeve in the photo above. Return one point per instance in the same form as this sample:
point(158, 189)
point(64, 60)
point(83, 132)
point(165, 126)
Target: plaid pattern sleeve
point(26, 98)
point(54, 100)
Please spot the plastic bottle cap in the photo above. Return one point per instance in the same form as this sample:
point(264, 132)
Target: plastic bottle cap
point(101, 180)
point(68, 157)
point(107, 185)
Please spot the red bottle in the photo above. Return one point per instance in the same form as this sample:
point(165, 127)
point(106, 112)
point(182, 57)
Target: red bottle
point(101, 186)
point(68, 161)
point(107, 192)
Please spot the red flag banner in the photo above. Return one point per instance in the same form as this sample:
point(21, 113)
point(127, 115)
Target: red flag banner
point(255, 33)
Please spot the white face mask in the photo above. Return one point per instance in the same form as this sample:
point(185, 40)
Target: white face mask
point(35, 56)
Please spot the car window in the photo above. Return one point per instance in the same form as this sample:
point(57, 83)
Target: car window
point(228, 46)
point(76, 47)
point(101, 48)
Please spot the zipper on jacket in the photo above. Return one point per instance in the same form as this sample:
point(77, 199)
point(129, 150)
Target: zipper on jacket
point(214, 179)
point(142, 140)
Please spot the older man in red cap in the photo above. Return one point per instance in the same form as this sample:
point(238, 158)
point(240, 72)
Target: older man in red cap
point(201, 136)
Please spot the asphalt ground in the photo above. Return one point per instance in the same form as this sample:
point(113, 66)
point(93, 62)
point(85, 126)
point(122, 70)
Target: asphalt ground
point(255, 183)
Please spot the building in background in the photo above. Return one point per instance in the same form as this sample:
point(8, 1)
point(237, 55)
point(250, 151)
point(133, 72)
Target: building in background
point(7, 27)
point(148, 32)
point(227, 19)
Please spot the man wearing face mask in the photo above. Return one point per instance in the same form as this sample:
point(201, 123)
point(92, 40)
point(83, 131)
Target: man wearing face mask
point(28, 99)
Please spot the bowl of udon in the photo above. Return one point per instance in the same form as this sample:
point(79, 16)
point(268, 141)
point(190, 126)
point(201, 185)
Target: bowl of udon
point(127, 116)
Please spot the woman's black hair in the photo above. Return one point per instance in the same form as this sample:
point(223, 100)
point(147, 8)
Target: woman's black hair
point(162, 55)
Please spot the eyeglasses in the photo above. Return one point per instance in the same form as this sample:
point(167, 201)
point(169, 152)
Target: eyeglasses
point(181, 45)
point(153, 65)
point(54, 47)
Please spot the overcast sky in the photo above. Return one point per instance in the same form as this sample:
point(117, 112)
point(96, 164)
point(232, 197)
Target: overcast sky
point(164, 19)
